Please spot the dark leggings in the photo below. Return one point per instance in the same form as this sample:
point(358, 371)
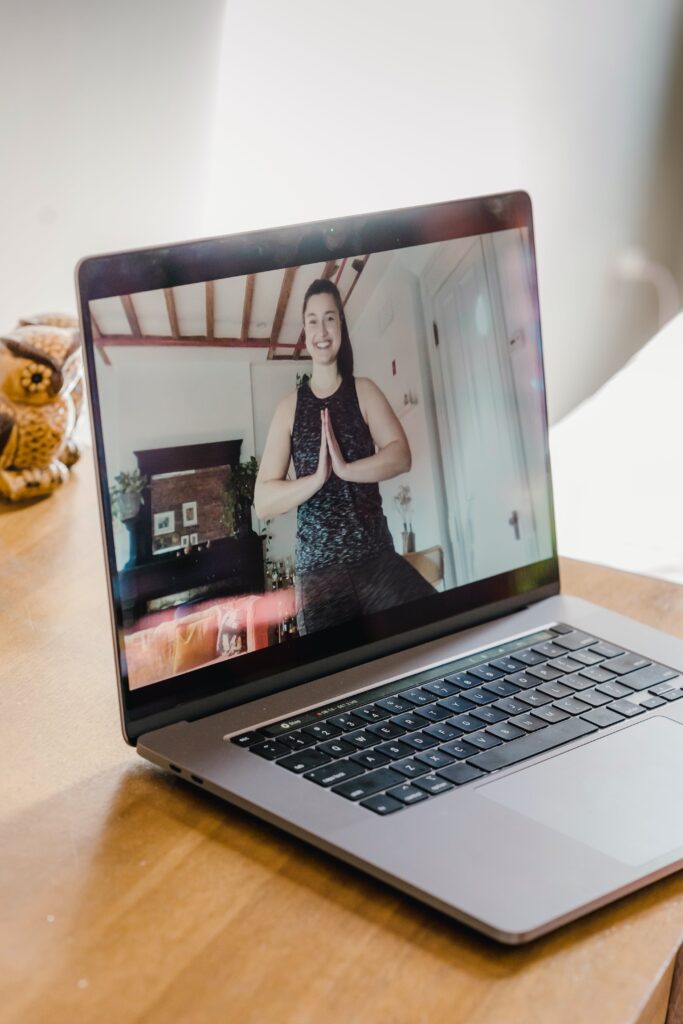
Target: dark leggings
point(336, 593)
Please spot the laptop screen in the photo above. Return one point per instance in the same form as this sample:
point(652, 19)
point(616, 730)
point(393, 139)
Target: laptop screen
point(300, 460)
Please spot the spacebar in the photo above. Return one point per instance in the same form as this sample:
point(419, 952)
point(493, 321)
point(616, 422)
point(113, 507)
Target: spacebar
point(534, 743)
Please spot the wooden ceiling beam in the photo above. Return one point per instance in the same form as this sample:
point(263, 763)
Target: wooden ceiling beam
point(355, 280)
point(190, 341)
point(281, 308)
point(248, 303)
point(210, 323)
point(96, 330)
point(99, 347)
point(131, 316)
point(172, 312)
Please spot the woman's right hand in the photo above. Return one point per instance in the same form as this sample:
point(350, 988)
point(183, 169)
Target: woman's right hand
point(322, 473)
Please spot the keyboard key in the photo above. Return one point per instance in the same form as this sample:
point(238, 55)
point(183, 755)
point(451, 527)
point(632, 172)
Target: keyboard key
point(409, 720)
point(505, 731)
point(548, 649)
point(336, 748)
point(483, 740)
point(382, 804)
point(433, 785)
point(459, 749)
point(321, 731)
point(366, 785)
point(534, 698)
point(443, 731)
point(652, 702)
point(407, 794)
point(456, 705)
point(487, 673)
point(625, 663)
point(507, 665)
point(544, 672)
point(372, 713)
point(606, 650)
point(246, 739)
point(296, 740)
point(522, 680)
point(394, 749)
point(572, 705)
point(529, 657)
point(478, 695)
point(304, 760)
point(575, 640)
point(614, 689)
point(370, 759)
point(460, 773)
point(386, 730)
point(535, 743)
point(595, 698)
point(661, 687)
point(565, 664)
point(346, 722)
point(528, 722)
point(462, 680)
point(440, 688)
point(550, 714)
point(586, 657)
point(511, 706)
point(603, 717)
point(562, 627)
point(597, 674)
point(270, 749)
point(489, 714)
point(556, 689)
point(434, 758)
point(419, 740)
point(433, 713)
point(466, 723)
point(333, 773)
point(627, 708)
point(576, 681)
point(646, 678)
point(410, 768)
point(361, 740)
point(670, 695)
point(394, 705)
point(418, 696)
point(501, 688)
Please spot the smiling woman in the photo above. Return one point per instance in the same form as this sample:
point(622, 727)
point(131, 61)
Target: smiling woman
point(343, 438)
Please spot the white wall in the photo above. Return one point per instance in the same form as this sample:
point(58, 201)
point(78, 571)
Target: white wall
point(105, 129)
point(392, 103)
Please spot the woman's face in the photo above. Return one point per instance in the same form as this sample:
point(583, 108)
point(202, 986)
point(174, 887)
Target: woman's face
point(322, 329)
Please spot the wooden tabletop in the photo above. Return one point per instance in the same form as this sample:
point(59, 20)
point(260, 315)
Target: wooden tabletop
point(127, 896)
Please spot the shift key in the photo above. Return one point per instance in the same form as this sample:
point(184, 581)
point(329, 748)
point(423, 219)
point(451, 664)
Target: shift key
point(371, 783)
point(532, 744)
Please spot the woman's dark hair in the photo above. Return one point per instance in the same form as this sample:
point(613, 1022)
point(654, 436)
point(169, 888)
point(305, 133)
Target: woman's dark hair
point(321, 286)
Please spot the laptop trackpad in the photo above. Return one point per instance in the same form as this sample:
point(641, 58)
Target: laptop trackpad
point(622, 795)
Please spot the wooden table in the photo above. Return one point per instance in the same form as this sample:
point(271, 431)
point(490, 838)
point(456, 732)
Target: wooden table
point(126, 896)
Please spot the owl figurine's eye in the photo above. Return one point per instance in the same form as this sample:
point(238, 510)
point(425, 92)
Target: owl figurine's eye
point(35, 378)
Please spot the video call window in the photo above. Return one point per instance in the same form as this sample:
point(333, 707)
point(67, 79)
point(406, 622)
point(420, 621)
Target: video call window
point(290, 450)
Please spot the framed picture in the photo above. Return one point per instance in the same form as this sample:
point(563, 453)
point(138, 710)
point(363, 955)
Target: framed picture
point(185, 541)
point(164, 522)
point(189, 513)
point(194, 538)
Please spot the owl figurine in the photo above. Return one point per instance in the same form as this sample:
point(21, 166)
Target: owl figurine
point(41, 394)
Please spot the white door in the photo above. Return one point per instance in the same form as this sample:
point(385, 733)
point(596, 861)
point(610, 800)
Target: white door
point(489, 504)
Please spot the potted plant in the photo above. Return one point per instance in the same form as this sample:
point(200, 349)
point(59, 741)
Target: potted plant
point(403, 502)
point(239, 497)
point(126, 494)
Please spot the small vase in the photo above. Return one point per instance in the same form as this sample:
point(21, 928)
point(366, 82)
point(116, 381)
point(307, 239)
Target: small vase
point(408, 538)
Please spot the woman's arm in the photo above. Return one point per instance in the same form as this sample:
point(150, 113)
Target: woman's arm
point(273, 494)
point(393, 452)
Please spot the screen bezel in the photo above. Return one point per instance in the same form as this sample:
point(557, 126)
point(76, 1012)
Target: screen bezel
point(229, 683)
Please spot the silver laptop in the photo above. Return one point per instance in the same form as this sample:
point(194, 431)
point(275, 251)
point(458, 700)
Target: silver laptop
point(326, 503)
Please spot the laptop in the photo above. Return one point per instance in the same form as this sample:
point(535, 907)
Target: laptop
point(326, 503)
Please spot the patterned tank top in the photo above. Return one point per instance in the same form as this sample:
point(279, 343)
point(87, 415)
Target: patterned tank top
point(343, 521)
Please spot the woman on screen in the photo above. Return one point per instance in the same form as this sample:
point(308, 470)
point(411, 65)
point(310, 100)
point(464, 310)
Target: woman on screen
point(343, 438)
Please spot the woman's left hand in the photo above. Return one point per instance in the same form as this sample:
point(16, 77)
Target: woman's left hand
point(339, 465)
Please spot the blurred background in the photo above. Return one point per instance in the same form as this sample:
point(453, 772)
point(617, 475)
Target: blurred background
point(151, 121)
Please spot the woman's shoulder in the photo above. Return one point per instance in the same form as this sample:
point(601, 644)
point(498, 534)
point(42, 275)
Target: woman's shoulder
point(286, 407)
point(367, 389)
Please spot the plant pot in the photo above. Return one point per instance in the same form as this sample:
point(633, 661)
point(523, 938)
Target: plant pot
point(129, 504)
point(408, 538)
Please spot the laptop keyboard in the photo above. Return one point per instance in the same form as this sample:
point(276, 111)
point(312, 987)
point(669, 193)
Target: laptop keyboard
point(407, 741)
